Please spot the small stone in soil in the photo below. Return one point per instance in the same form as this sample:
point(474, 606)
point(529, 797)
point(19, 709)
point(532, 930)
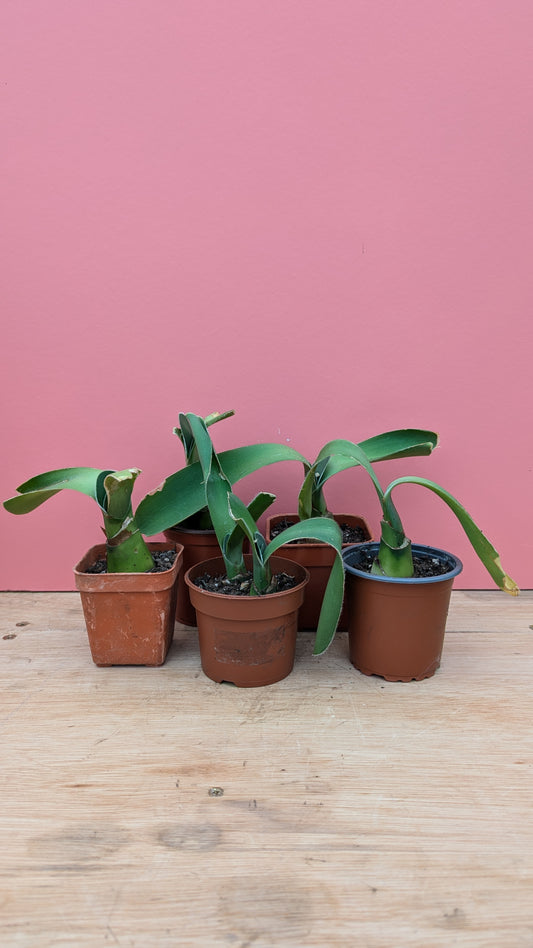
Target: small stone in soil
point(163, 560)
point(241, 585)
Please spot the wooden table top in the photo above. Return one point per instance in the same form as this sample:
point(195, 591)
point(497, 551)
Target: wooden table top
point(151, 807)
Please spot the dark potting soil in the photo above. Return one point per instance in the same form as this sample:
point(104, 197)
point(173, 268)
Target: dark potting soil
point(241, 585)
point(349, 534)
point(163, 560)
point(423, 565)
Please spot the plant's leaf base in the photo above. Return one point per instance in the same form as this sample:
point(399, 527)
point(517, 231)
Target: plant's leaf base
point(163, 560)
point(423, 566)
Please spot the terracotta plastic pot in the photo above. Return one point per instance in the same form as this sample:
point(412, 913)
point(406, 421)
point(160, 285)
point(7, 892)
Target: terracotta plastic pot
point(198, 545)
point(396, 626)
point(318, 559)
point(129, 616)
point(247, 640)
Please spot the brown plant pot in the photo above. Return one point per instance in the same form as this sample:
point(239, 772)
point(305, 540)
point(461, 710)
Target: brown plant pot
point(396, 626)
point(318, 559)
point(247, 640)
point(198, 545)
point(129, 616)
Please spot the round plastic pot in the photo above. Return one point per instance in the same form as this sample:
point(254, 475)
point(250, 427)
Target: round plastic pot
point(396, 626)
point(129, 616)
point(247, 640)
point(198, 545)
point(318, 559)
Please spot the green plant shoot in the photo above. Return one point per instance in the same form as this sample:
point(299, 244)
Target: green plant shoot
point(235, 521)
point(127, 551)
point(395, 556)
point(340, 455)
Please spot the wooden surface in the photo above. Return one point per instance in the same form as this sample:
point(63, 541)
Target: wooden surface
point(349, 810)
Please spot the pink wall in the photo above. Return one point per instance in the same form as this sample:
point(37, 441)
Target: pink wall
point(317, 213)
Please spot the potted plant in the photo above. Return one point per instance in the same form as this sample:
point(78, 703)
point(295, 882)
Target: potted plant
point(398, 593)
point(334, 457)
point(177, 507)
point(195, 533)
point(246, 615)
point(127, 587)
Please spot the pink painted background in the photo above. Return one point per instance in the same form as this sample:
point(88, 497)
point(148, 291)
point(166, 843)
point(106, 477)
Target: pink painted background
point(317, 213)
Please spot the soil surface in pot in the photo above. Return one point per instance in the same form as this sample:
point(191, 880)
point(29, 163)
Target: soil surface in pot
point(241, 585)
point(349, 534)
point(163, 560)
point(423, 565)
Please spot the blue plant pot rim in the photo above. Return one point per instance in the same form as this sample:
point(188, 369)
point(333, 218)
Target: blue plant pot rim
point(455, 565)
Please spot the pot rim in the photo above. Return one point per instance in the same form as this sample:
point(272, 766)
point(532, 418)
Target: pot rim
point(338, 518)
point(108, 581)
point(288, 565)
point(352, 551)
point(178, 529)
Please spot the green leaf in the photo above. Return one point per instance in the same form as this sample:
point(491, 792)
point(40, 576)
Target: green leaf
point(325, 531)
point(398, 443)
point(482, 546)
point(182, 494)
point(246, 523)
point(233, 543)
point(34, 492)
point(186, 437)
point(340, 455)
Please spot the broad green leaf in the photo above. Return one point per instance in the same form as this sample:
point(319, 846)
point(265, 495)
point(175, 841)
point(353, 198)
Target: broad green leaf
point(325, 531)
point(482, 546)
point(260, 503)
point(340, 455)
point(34, 492)
point(182, 494)
point(398, 443)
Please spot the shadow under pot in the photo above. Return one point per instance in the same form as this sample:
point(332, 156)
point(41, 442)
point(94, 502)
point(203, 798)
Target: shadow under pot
point(249, 641)
point(396, 626)
point(129, 616)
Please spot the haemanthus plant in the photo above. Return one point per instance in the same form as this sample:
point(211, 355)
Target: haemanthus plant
point(127, 551)
point(235, 521)
point(394, 557)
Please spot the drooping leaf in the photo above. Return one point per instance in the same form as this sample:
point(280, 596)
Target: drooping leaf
point(398, 443)
point(482, 546)
point(341, 455)
point(35, 491)
point(323, 530)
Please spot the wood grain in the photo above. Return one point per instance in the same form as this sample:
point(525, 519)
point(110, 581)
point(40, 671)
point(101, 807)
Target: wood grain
point(348, 811)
